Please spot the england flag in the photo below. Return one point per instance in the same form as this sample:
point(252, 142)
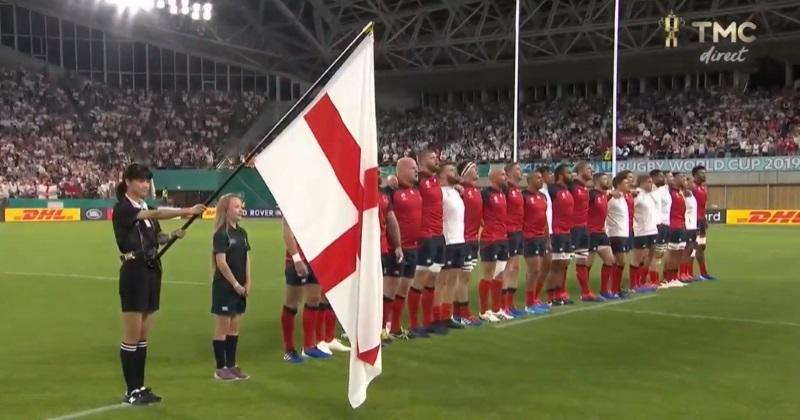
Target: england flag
point(323, 172)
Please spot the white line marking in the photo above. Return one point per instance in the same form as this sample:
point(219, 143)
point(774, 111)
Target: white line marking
point(708, 317)
point(89, 276)
point(90, 412)
point(572, 311)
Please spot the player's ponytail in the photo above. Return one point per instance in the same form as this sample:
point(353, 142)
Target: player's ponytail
point(122, 189)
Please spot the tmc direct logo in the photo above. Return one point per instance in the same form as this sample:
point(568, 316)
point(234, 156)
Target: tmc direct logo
point(671, 24)
point(733, 33)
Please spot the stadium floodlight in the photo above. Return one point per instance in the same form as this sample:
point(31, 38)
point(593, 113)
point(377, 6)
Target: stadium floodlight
point(146, 5)
point(161, 4)
point(207, 7)
point(206, 15)
point(185, 10)
point(173, 9)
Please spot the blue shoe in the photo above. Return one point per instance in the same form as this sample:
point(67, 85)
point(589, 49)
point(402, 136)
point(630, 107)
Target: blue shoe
point(539, 309)
point(708, 277)
point(316, 353)
point(472, 322)
point(645, 289)
point(592, 298)
point(623, 295)
point(292, 357)
point(610, 296)
point(418, 332)
point(518, 313)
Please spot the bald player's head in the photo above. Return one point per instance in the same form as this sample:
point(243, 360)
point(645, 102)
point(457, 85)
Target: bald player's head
point(498, 178)
point(391, 181)
point(406, 170)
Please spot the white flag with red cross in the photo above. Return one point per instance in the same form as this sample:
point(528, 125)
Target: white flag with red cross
point(323, 172)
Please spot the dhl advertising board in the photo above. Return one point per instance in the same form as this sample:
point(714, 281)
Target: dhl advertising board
point(42, 215)
point(764, 217)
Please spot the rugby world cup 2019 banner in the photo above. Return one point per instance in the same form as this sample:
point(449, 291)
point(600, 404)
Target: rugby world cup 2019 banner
point(42, 215)
point(764, 217)
point(772, 163)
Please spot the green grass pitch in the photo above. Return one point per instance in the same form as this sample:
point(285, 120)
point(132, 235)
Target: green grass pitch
point(715, 350)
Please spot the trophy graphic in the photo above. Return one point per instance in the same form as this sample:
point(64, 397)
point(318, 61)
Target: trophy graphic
point(671, 24)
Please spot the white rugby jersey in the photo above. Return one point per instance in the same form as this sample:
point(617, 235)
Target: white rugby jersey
point(546, 193)
point(646, 214)
point(664, 203)
point(691, 213)
point(453, 216)
point(617, 218)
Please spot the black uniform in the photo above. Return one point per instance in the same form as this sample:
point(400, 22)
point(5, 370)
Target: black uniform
point(139, 276)
point(234, 244)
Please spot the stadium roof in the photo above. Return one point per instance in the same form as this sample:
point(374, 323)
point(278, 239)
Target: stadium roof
point(299, 37)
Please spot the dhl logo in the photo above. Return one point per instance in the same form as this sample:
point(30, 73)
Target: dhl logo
point(42, 215)
point(764, 217)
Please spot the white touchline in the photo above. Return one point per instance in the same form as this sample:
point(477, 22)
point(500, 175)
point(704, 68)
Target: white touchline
point(572, 311)
point(90, 412)
point(708, 317)
point(89, 276)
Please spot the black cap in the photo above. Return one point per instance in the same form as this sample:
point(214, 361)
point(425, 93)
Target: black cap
point(137, 171)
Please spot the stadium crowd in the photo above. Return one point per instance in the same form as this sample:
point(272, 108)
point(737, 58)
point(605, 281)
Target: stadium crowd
point(61, 138)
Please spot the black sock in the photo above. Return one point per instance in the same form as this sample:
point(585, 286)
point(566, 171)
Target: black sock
point(230, 350)
point(141, 359)
point(127, 357)
point(219, 353)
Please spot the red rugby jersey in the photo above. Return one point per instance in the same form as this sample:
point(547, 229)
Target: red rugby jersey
point(535, 220)
point(677, 213)
point(563, 207)
point(701, 195)
point(580, 194)
point(494, 216)
point(598, 210)
point(432, 207)
point(407, 205)
point(473, 212)
point(515, 209)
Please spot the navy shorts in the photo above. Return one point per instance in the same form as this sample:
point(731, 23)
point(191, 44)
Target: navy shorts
point(409, 265)
point(619, 245)
point(391, 267)
point(562, 246)
point(292, 279)
point(431, 251)
point(676, 236)
point(515, 244)
point(494, 251)
point(691, 236)
point(455, 256)
point(597, 240)
point(663, 235)
point(644, 242)
point(535, 247)
point(580, 238)
point(472, 251)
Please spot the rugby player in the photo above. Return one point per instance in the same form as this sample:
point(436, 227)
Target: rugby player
point(431, 246)
point(560, 239)
point(580, 231)
point(599, 242)
point(473, 215)
point(301, 283)
point(548, 179)
point(391, 255)
point(456, 249)
point(630, 196)
point(618, 229)
point(493, 247)
point(660, 194)
point(407, 205)
point(701, 194)
point(686, 270)
point(536, 235)
point(677, 230)
point(645, 233)
point(515, 213)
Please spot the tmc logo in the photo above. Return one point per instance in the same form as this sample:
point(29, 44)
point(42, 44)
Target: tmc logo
point(733, 32)
point(672, 25)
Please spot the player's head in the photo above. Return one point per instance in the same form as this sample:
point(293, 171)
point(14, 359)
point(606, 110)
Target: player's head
point(428, 161)
point(229, 210)
point(535, 181)
point(669, 178)
point(514, 172)
point(678, 181)
point(699, 174)
point(583, 170)
point(547, 174)
point(631, 177)
point(600, 180)
point(406, 171)
point(563, 174)
point(392, 182)
point(690, 183)
point(448, 175)
point(658, 177)
point(621, 183)
point(468, 171)
point(135, 182)
point(645, 182)
point(498, 178)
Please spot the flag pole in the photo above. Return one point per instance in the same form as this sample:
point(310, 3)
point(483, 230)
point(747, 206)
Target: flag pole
point(280, 125)
point(516, 82)
point(614, 83)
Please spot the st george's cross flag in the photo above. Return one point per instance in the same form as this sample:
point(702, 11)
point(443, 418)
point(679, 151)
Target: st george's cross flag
point(323, 172)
